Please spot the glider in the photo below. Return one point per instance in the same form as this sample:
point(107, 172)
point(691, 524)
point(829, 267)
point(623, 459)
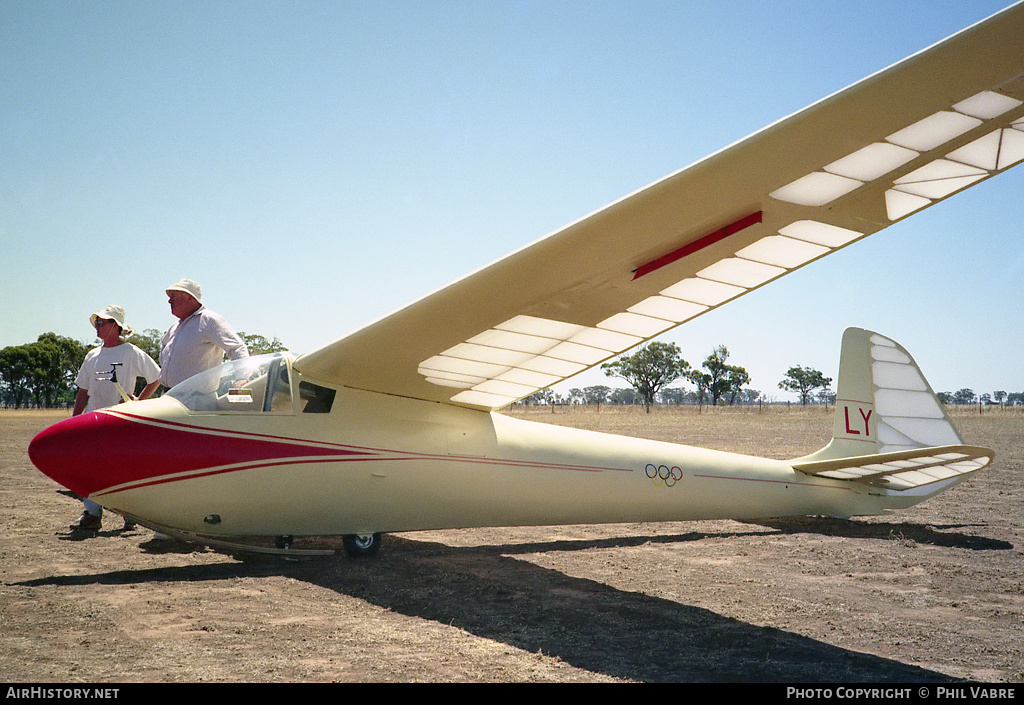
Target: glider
point(395, 426)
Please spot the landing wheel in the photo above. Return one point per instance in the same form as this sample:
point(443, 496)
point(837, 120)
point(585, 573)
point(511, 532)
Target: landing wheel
point(284, 542)
point(361, 545)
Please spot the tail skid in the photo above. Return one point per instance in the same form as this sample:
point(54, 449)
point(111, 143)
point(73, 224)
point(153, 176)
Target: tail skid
point(890, 429)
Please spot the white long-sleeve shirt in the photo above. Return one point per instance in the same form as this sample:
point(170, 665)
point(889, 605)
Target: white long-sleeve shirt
point(197, 343)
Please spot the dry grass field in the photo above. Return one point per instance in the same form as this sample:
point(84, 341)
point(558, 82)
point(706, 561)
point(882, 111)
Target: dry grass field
point(932, 594)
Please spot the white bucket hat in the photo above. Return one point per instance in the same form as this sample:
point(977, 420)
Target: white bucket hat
point(116, 314)
point(189, 287)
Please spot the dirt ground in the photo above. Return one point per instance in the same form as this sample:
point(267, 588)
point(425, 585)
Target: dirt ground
point(932, 594)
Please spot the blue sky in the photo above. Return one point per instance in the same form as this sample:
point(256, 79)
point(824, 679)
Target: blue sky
point(317, 165)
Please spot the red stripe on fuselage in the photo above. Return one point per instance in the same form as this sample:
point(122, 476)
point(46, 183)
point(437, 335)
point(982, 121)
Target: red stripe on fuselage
point(92, 452)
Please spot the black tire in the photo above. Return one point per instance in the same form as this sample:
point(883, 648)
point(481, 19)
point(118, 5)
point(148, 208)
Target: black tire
point(361, 545)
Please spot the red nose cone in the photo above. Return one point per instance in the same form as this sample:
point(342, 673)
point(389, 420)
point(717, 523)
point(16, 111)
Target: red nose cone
point(68, 452)
point(104, 449)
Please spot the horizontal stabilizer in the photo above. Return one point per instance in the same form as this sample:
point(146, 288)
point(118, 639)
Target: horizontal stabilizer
point(903, 470)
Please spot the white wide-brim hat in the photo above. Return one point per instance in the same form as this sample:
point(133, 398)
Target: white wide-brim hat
point(114, 313)
point(189, 287)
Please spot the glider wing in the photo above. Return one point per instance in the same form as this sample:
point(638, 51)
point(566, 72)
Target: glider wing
point(846, 167)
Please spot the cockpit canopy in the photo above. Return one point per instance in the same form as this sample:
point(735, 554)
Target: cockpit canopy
point(257, 384)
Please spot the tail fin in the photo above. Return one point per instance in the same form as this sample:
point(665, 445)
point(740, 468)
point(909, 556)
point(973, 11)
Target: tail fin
point(890, 428)
point(883, 401)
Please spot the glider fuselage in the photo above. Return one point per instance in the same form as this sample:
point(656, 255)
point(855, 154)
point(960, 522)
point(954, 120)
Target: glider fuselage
point(379, 463)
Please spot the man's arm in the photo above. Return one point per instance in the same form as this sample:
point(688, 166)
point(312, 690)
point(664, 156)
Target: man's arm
point(225, 337)
point(81, 399)
point(148, 390)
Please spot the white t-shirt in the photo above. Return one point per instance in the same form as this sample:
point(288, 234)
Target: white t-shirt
point(102, 392)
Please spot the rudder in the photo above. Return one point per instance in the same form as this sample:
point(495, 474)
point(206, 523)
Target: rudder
point(891, 432)
point(883, 402)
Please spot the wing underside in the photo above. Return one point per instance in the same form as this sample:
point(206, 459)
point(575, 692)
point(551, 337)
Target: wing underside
point(844, 168)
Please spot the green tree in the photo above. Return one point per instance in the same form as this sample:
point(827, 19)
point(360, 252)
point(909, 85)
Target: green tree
point(148, 341)
point(674, 396)
point(258, 344)
point(964, 396)
point(649, 369)
point(43, 371)
point(596, 394)
point(64, 357)
point(750, 396)
point(623, 396)
point(721, 381)
point(542, 397)
point(804, 380)
point(15, 368)
point(703, 382)
point(44, 376)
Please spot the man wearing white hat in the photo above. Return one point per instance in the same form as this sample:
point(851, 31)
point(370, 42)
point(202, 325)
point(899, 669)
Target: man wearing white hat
point(96, 388)
point(199, 339)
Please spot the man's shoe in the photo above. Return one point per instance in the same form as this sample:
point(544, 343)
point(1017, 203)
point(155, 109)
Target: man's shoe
point(87, 522)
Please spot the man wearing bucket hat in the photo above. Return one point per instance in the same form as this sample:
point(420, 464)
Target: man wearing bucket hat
point(199, 339)
point(97, 388)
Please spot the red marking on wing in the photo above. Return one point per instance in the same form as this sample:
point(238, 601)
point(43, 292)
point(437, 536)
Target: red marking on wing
point(697, 245)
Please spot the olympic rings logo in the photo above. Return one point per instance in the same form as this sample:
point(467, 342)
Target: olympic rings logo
point(663, 475)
